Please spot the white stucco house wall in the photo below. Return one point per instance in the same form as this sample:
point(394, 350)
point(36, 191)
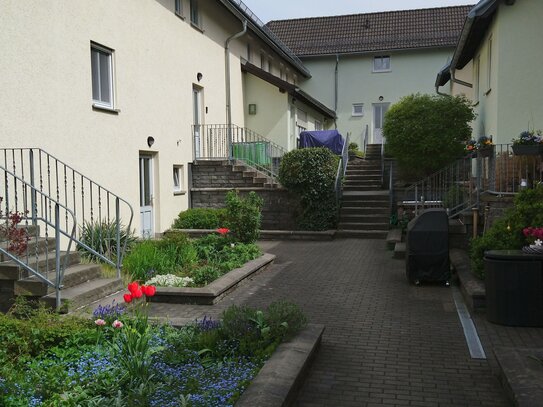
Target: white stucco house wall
point(114, 89)
point(505, 79)
point(362, 63)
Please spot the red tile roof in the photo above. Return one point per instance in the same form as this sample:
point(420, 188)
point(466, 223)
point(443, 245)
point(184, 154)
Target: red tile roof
point(371, 32)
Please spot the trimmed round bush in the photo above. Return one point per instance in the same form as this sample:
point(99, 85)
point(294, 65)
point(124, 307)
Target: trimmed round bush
point(200, 218)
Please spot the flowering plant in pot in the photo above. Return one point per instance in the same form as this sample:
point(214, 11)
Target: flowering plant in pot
point(534, 237)
point(528, 143)
point(482, 145)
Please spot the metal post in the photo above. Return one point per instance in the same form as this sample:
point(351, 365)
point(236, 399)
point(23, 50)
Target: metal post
point(118, 237)
point(416, 199)
point(33, 199)
point(57, 254)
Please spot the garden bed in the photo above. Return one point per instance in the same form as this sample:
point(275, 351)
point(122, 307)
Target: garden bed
point(215, 290)
point(324, 235)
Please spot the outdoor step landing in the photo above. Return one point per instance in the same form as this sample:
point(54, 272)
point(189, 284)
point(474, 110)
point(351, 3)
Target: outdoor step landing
point(361, 234)
point(363, 226)
point(351, 187)
point(364, 211)
point(84, 294)
point(363, 177)
point(74, 275)
point(399, 250)
point(368, 218)
point(378, 204)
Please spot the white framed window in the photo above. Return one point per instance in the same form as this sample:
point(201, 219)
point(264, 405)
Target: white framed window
point(179, 7)
point(294, 80)
point(489, 66)
point(381, 63)
point(358, 109)
point(477, 78)
point(178, 178)
point(195, 18)
point(102, 76)
point(318, 125)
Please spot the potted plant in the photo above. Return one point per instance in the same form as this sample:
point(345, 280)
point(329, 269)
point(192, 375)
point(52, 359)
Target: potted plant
point(528, 143)
point(483, 146)
point(534, 236)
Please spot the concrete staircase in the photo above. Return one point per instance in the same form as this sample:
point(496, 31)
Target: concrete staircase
point(365, 209)
point(82, 284)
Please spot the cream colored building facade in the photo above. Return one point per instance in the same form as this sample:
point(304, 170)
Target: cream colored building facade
point(113, 88)
point(498, 42)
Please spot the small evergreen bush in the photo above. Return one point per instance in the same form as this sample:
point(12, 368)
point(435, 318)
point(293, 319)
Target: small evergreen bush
point(200, 218)
point(243, 216)
point(310, 173)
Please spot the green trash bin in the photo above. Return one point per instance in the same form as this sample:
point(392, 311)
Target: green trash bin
point(514, 288)
point(252, 152)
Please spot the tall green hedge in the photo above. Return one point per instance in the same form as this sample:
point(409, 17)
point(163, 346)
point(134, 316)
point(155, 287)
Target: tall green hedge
point(426, 132)
point(310, 174)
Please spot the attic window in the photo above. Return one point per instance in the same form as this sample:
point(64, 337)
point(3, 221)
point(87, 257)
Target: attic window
point(381, 63)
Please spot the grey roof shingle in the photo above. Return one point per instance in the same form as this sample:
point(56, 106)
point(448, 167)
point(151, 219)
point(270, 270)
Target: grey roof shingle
point(392, 30)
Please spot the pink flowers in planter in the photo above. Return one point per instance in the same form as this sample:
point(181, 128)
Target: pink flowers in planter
point(100, 322)
point(534, 235)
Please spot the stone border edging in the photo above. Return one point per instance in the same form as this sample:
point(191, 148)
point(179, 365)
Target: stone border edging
point(472, 288)
point(520, 375)
point(270, 234)
point(214, 291)
point(279, 380)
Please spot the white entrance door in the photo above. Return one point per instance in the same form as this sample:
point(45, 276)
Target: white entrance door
point(197, 120)
point(146, 196)
point(379, 110)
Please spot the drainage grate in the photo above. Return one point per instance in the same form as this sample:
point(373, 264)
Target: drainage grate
point(470, 332)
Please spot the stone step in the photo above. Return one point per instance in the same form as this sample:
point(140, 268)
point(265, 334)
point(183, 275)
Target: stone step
point(73, 276)
point(10, 270)
point(364, 169)
point(381, 205)
point(364, 210)
point(363, 226)
point(83, 294)
point(367, 218)
point(381, 196)
point(361, 187)
point(362, 177)
point(35, 246)
point(362, 234)
point(399, 250)
point(394, 236)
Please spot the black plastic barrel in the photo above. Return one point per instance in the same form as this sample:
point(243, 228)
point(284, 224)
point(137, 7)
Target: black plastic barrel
point(514, 288)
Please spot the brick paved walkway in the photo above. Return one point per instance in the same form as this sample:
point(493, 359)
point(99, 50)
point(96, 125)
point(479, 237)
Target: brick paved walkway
point(386, 343)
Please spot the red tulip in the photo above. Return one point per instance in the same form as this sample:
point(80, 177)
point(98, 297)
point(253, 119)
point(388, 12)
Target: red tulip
point(134, 286)
point(127, 298)
point(223, 231)
point(149, 290)
point(137, 293)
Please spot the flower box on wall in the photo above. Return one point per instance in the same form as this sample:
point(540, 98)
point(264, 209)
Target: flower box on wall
point(528, 149)
point(485, 151)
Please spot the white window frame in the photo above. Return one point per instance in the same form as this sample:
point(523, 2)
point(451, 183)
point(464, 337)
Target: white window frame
point(355, 112)
point(195, 17)
point(381, 58)
point(318, 125)
point(96, 75)
point(178, 174)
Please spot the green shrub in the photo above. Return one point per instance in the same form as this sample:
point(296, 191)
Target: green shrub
point(102, 237)
point(147, 259)
point(243, 216)
point(200, 218)
point(285, 319)
point(310, 173)
point(426, 132)
point(506, 232)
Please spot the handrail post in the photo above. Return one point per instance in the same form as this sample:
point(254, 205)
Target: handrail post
point(118, 236)
point(57, 254)
point(33, 199)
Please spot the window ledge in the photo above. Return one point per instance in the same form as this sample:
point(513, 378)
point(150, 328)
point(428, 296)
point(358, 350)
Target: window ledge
point(181, 16)
point(105, 109)
point(383, 71)
point(177, 193)
point(196, 27)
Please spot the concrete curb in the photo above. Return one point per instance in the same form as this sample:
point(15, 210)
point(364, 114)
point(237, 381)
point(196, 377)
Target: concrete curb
point(270, 234)
point(521, 375)
point(213, 292)
point(282, 375)
point(472, 288)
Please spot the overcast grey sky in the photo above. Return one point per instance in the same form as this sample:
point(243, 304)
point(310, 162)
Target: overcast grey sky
point(268, 10)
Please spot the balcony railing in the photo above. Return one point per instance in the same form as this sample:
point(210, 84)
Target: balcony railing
point(219, 141)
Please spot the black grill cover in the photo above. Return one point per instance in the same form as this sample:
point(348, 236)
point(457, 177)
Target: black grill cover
point(427, 247)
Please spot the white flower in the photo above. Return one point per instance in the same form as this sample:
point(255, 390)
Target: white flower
point(538, 242)
point(232, 245)
point(169, 280)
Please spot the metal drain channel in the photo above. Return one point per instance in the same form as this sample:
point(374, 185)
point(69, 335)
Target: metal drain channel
point(470, 332)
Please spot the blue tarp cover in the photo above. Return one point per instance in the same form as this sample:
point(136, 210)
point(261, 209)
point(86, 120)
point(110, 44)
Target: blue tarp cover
point(330, 139)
